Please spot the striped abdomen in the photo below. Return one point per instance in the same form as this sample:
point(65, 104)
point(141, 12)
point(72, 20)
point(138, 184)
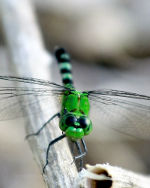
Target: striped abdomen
point(63, 59)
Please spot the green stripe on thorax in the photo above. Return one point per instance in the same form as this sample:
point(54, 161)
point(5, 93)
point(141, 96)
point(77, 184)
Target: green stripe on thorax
point(77, 102)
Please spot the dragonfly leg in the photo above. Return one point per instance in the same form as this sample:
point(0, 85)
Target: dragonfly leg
point(81, 153)
point(84, 146)
point(38, 132)
point(48, 148)
point(79, 157)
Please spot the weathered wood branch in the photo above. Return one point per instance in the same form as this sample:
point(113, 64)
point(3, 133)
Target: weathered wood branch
point(29, 57)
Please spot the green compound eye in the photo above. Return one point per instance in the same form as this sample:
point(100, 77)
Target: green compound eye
point(88, 129)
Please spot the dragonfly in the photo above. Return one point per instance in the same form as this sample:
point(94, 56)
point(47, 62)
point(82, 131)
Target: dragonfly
point(75, 120)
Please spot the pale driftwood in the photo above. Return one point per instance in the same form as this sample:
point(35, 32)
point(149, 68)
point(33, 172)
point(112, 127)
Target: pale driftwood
point(105, 175)
point(28, 55)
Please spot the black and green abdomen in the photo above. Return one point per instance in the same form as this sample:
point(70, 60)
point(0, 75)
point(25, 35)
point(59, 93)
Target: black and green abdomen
point(63, 59)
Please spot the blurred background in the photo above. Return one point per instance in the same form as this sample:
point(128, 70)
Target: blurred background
point(109, 41)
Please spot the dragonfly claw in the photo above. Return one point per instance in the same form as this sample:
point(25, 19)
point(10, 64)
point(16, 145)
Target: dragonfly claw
point(45, 167)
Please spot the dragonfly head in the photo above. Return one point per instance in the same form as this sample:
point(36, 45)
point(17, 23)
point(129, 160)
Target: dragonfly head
point(75, 126)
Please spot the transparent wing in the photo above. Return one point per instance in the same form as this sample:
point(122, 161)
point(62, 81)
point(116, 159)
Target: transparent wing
point(15, 100)
point(126, 112)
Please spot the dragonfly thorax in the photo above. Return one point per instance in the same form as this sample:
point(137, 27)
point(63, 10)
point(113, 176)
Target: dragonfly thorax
point(74, 120)
point(75, 101)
